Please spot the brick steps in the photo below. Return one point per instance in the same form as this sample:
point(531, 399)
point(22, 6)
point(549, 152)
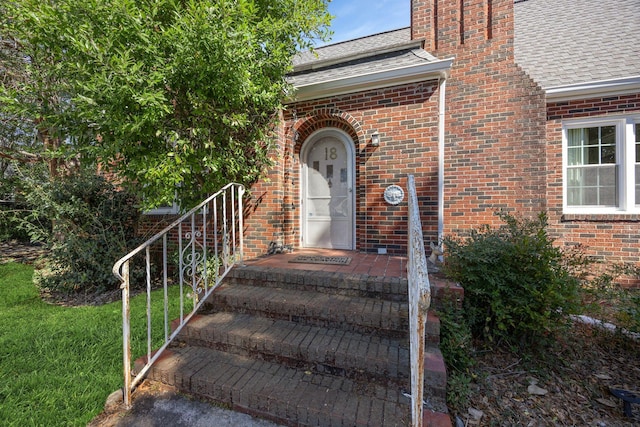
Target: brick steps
point(314, 348)
point(280, 393)
point(365, 315)
point(298, 355)
point(360, 285)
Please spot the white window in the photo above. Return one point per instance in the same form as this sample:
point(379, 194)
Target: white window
point(164, 210)
point(601, 165)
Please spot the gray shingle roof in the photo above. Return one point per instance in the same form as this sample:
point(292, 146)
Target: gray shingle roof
point(369, 65)
point(358, 46)
point(562, 42)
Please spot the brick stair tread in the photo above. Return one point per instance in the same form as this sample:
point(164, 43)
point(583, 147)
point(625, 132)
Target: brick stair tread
point(367, 314)
point(326, 350)
point(280, 393)
point(349, 284)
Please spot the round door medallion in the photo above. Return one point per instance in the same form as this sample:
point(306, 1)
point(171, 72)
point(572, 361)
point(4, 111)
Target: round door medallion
point(393, 194)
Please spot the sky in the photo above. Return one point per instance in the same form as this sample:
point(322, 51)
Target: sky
point(358, 18)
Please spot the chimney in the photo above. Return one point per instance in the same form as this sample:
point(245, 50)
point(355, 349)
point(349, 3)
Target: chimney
point(451, 25)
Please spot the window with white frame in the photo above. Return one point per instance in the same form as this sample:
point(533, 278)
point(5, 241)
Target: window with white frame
point(602, 165)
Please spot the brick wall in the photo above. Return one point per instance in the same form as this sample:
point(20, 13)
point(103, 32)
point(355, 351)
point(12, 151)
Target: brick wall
point(406, 119)
point(495, 122)
point(615, 238)
point(267, 208)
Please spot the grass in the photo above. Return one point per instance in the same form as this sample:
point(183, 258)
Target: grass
point(59, 364)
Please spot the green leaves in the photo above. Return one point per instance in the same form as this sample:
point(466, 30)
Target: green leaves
point(519, 287)
point(137, 79)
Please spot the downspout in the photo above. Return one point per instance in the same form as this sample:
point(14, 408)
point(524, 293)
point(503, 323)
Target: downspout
point(442, 85)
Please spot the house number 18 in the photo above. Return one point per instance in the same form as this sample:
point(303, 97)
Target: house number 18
point(330, 153)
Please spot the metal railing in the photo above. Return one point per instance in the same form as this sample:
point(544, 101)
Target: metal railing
point(190, 256)
point(419, 302)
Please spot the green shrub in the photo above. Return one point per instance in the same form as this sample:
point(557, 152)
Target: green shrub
point(519, 287)
point(13, 207)
point(457, 349)
point(93, 225)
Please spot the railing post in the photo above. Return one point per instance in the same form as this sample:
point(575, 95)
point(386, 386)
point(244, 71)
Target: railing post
point(126, 335)
point(419, 301)
point(241, 223)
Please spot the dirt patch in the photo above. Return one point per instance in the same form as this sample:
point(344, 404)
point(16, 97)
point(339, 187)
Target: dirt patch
point(575, 379)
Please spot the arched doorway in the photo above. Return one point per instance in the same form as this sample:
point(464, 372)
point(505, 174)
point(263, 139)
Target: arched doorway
point(327, 190)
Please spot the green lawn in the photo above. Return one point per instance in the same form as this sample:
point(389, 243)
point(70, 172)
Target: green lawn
point(59, 364)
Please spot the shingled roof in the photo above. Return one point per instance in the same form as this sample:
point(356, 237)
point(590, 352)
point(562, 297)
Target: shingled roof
point(379, 60)
point(558, 43)
point(561, 43)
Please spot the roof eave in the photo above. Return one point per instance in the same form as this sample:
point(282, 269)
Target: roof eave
point(593, 89)
point(398, 76)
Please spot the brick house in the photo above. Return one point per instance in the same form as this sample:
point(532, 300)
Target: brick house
point(526, 106)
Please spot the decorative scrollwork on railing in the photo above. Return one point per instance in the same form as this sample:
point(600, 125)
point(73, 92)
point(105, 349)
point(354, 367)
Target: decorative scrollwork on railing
point(193, 261)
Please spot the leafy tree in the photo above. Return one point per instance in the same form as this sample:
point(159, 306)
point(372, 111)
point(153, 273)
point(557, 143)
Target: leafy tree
point(175, 96)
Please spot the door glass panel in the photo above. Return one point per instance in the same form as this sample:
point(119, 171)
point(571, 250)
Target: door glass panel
point(327, 156)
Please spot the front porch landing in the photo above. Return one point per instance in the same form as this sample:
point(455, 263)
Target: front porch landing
point(369, 264)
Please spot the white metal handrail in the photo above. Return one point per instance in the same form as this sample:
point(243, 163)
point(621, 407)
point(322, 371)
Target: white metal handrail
point(419, 302)
point(206, 242)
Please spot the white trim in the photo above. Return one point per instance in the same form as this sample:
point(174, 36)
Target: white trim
point(442, 86)
point(375, 80)
point(593, 89)
point(625, 160)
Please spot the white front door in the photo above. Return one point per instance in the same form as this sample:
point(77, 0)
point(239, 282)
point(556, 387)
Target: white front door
point(327, 187)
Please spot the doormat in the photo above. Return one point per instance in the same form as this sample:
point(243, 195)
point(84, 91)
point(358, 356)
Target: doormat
point(318, 259)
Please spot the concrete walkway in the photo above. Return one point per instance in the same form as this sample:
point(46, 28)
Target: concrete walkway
point(156, 405)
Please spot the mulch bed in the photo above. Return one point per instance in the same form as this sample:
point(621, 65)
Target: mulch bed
point(20, 252)
point(577, 376)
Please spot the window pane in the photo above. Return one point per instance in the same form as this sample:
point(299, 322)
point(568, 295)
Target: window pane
point(637, 185)
point(575, 157)
point(609, 154)
point(592, 186)
point(591, 172)
point(637, 142)
point(608, 135)
point(592, 155)
point(593, 136)
point(574, 137)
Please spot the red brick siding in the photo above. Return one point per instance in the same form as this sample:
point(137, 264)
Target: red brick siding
point(266, 207)
point(614, 238)
point(495, 122)
point(406, 119)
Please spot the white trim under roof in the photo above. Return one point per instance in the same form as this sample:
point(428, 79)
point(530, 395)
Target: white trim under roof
point(593, 89)
point(376, 80)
